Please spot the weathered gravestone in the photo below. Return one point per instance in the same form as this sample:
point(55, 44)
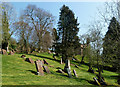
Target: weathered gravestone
point(67, 68)
point(45, 62)
point(11, 53)
point(96, 81)
point(4, 52)
point(38, 65)
point(76, 66)
point(75, 74)
point(46, 69)
point(29, 60)
point(23, 56)
point(60, 71)
point(42, 62)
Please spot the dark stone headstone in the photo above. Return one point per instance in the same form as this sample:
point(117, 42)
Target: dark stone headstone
point(60, 71)
point(75, 74)
point(45, 62)
point(23, 56)
point(29, 60)
point(4, 52)
point(46, 69)
point(38, 65)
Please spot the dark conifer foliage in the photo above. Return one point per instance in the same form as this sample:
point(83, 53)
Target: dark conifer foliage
point(111, 45)
point(67, 32)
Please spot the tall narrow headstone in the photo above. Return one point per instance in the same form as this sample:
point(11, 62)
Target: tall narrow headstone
point(61, 61)
point(38, 65)
point(67, 68)
point(75, 74)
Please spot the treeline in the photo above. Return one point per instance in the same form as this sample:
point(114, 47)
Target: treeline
point(33, 30)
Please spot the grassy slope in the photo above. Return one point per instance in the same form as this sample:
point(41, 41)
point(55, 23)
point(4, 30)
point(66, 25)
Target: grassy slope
point(16, 71)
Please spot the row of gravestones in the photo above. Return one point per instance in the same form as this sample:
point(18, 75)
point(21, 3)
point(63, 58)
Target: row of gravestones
point(4, 52)
point(40, 66)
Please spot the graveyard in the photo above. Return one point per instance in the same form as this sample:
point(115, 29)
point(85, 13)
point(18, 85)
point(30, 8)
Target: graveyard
point(60, 44)
point(18, 71)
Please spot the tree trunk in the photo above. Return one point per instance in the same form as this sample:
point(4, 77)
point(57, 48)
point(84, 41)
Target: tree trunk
point(100, 76)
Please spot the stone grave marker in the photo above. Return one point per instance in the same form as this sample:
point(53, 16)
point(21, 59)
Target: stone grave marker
point(75, 74)
point(38, 65)
point(45, 62)
point(67, 68)
point(96, 81)
point(29, 60)
point(46, 69)
point(4, 52)
point(23, 56)
point(41, 61)
point(76, 66)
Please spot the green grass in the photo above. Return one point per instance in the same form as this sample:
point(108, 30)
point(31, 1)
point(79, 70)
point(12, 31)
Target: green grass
point(16, 71)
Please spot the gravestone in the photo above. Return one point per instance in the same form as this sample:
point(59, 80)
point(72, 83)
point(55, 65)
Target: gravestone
point(67, 68)
point(45, 62)
point(76, 66)
point(96, 81)
point(38, 65)
point(61, 61)
point(60, 71)
point(41, 61)
point(23, 56)
point(29, 60)
point(54, 57)
point(11, 53)
point(75, 74)
point(46, 69)
point(4, 52)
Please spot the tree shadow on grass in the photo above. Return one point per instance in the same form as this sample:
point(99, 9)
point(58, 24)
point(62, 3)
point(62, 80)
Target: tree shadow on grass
point(45, 57)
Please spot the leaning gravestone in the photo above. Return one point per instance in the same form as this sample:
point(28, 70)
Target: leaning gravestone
point(29, 60)
point(38, 65)
point(46, 69)
point(45, 62)
point(96, 81)
point(75, 74)
point(4, 52)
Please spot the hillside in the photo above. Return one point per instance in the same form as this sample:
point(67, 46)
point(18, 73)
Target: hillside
point(16, 71)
